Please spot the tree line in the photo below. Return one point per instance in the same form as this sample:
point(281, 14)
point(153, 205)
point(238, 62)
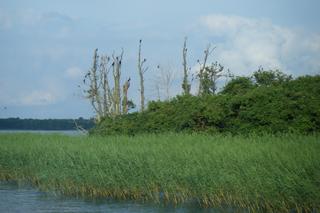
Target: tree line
point(266, 101)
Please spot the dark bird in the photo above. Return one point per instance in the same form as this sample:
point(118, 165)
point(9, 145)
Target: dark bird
point(119, 62)
point(112, 63)
point(158, 67)
point(140, 41)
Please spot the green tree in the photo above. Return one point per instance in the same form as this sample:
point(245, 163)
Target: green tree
point(270, 77)
point(210, 76)
point(238, 86)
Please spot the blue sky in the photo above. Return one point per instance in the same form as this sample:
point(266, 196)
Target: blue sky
point(46, 46)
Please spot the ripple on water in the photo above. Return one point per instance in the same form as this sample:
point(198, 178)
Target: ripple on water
point(25, 199)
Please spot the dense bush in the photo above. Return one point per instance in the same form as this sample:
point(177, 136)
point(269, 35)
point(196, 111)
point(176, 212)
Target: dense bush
point(267, 102)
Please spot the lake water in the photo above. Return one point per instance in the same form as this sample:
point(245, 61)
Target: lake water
point(25, 199)
point(63, 132)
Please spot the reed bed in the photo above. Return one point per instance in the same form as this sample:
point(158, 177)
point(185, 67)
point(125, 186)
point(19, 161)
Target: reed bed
point(259, 173)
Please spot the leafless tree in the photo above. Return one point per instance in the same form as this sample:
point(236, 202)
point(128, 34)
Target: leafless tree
point(141, 69)
point(165, 80)
point(117, 60)
point(126, 86)
point(186, 86)
point(106, 101)
point(207, 52)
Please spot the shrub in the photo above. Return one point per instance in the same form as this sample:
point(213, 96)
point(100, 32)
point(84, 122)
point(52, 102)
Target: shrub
point(241, 108)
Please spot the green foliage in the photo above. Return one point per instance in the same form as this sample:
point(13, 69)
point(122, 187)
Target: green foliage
point(209, 77)
point(274, 105)
point(182, 113)
point(260, 173)
point(238, 86)
point(271, 77)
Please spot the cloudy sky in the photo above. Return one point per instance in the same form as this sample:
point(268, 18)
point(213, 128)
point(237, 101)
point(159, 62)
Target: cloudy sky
point(46, 46)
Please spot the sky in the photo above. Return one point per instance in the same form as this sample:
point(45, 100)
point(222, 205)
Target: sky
point(46, 47)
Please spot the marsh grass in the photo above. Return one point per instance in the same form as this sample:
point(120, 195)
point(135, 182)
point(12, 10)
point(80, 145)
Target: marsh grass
point(261, 173)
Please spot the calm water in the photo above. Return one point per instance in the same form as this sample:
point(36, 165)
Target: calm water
point(63, 132)
point(25, 199)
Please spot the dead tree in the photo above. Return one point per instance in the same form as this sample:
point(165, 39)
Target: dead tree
point(165, 79)
point(185, 84)
point(207, 52)
point(116, 64)
point(106, 101)
point(125, 97)
point(141, 70)
point(104, 82)
point(93, 92)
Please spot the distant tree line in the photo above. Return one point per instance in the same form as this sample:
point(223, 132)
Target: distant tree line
point(45, 124)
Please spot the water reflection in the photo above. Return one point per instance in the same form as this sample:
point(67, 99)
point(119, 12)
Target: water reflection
point(14, 198)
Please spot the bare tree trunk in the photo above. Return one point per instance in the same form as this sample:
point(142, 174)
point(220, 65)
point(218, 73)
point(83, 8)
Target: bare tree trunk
point(125, 97)
point(141, 70)
point(185, 84)
point(94, 90)
point(116, 75)
point(106, 92)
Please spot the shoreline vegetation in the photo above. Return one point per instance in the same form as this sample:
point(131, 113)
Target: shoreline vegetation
point(260, 173)
point(260, 103)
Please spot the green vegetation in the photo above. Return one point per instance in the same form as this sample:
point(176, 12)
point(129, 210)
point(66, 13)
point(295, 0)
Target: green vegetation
point(263, 173)
point(268, 101)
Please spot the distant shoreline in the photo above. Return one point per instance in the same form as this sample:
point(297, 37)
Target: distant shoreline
point(45, 124)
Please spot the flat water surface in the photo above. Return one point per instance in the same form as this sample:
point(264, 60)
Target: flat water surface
point(63, 132)
point(26, 199)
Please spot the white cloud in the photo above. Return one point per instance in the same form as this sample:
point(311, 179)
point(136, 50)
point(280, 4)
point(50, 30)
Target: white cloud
point(37, 97)
point(31, 17)
point(74, 73)
point(249, 43)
